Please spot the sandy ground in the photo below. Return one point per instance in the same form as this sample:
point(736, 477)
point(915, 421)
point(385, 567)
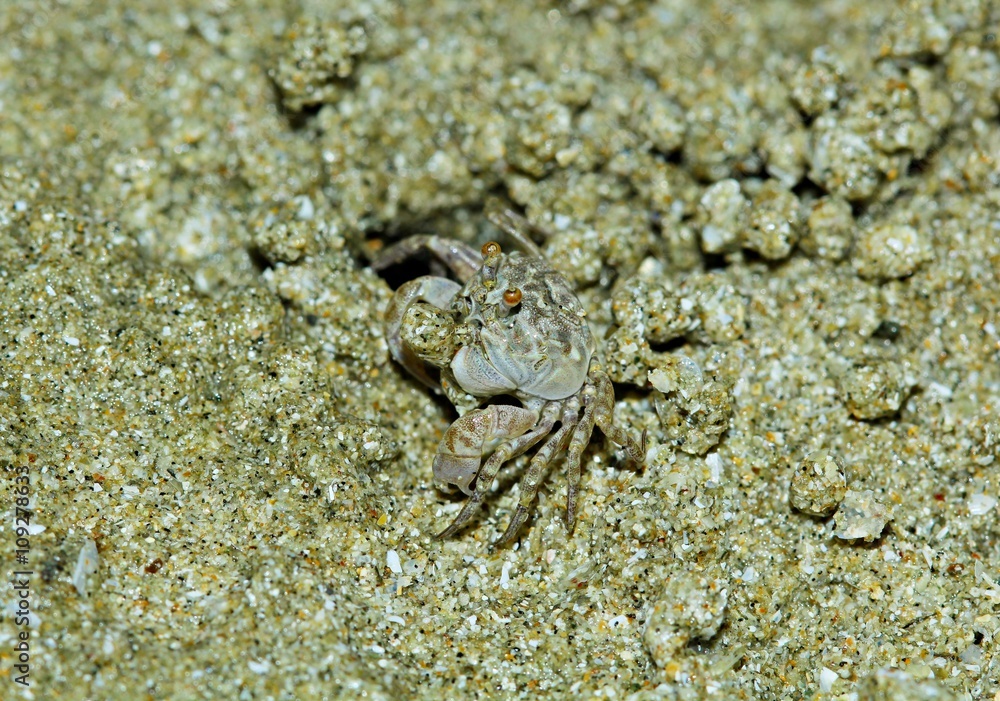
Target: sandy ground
point(781, 218)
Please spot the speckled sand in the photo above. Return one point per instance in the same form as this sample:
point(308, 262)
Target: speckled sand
point(783, 219)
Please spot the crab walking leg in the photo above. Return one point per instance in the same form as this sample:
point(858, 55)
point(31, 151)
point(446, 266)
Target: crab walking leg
point(503, 453)
point(512, 224)
point(462, 260)
point(438, 291)
point(604, 416)
point(577, 443)
point(533, 477)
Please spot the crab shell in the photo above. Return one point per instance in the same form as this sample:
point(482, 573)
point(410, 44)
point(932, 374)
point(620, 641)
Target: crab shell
point(537, 349)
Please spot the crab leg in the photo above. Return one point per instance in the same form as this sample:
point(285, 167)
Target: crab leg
point(462, 260)
point(504, 452)
point(533, 477)
point(577, 443)
point(604, 416)
point(512, 224)
point(438, 291)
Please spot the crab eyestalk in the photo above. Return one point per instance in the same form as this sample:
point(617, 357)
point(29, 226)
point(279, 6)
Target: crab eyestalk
point(511, 298)
point(491, 258)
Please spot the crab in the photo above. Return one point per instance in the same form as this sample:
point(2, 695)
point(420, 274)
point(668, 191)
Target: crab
point(510, 326)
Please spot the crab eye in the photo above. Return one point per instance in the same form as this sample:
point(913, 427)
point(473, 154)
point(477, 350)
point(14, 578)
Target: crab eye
point(490, 248)
point(512, 297)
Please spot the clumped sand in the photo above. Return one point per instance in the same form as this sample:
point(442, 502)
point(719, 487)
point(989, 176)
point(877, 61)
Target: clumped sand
point(781, 217)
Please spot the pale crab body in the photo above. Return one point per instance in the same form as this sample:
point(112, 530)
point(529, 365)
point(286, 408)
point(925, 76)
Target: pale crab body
point(539, 348)
point(511, 326)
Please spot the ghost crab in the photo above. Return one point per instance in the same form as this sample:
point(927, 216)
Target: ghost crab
point(513, 327)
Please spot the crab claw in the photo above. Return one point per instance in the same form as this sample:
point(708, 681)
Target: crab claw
point(438, 291)
point(460, 453)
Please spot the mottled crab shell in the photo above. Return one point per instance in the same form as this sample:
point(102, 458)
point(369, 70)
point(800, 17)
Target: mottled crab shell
point(541, 347)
